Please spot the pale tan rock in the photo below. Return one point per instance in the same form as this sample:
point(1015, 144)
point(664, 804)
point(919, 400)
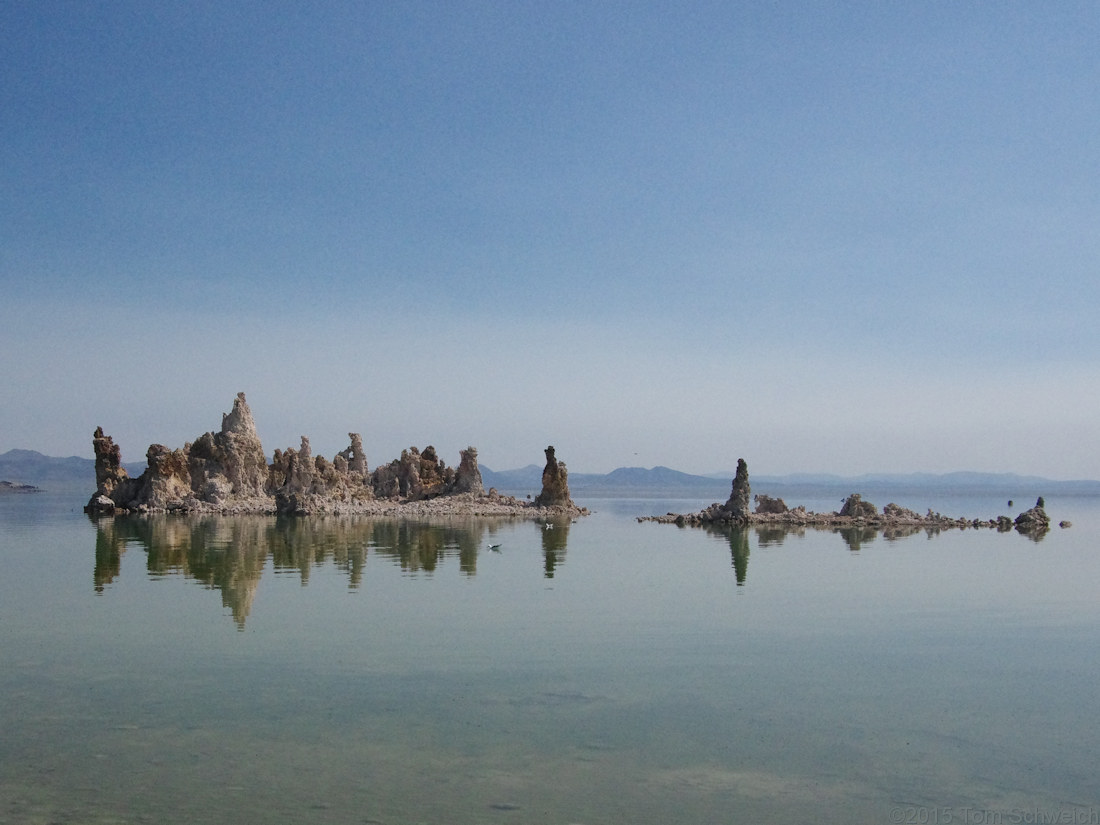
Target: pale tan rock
point(555, 483)
point(226, 472)
point(468, 475)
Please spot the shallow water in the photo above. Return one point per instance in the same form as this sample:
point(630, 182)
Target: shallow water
point(257, 670)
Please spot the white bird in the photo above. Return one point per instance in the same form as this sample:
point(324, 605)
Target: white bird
point(494, 547)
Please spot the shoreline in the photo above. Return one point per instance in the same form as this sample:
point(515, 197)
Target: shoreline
point(459, 504)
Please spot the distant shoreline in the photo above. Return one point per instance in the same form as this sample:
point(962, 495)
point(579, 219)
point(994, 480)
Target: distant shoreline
point(11, 488)
point(54, 474)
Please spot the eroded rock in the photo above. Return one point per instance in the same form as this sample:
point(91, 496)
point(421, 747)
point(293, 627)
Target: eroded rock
point(895, 512)
point(226, 471)
point(767, 504)
point(1034, 520)
point(468, 474)
point(738, 503)
point(109, 472)
point(555, 483)
point(855, 515)
point(355, 457)
point(856, 507)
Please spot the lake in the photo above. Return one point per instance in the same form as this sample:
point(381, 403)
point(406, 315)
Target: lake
point(348, 670)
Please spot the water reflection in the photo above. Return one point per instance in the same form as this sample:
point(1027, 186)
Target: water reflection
point(555, 534)
point(219, 553)
point(738, 538)
point(229, 554)
point(855, 537)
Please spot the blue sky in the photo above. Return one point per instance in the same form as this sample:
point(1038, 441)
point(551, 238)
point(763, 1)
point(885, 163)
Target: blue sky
point(841, 237)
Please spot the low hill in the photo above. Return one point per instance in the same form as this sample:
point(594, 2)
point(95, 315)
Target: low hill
point(72, 474)
point(47, 472)
point(527, 478)
point(76, 474)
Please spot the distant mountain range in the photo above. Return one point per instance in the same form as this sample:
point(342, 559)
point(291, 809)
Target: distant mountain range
point(624, 480)
point(665, 481)
point(53, 474)
point(75, 474)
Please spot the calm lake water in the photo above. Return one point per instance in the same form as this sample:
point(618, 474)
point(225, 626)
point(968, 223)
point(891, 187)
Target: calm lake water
point(337, 670)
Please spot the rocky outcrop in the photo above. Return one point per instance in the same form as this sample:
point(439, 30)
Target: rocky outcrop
point(231, 462)
point(767, 504)
point(895, 512)
point(736, 510)
point(109, 472)
point(415, 476)
point(555, 483)
point(1033, 520)
point(168, 476)
point(468, 474)
point(227, 472)
point(738, 503)
point(855, 513)
point(856, 508)
point(355, 457)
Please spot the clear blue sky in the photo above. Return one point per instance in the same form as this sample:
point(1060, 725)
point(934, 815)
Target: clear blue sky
point(843, 237)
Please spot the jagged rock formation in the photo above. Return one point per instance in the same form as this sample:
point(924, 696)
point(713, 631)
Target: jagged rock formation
point(415, 476)
point(109, 472)
point(855, 513)
point(767, 504)
point(227, 472)
point(1033, 520)
point(555, 483)
point(355, 457)
point(167, 476)
point(468, 474)
point(736, 509)
point(895, 512)
point(738, 503)
point(855, 507)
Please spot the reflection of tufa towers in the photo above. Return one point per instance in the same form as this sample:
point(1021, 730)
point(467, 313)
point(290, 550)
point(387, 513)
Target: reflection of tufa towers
point(555, 536)
point(229, 554)
point(738, 538)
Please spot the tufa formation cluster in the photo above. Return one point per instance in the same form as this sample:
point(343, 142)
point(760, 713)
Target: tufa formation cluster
point(227, 471)
point(855, 512)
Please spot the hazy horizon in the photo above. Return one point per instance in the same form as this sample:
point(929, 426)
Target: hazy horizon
point(718, 475)
point(837, 238)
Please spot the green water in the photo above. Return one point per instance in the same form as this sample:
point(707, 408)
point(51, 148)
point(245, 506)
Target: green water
point(353, 671)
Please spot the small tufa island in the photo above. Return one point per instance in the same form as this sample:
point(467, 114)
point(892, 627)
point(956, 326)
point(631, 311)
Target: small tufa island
point(854, 513)
point(7, 487)
point(228, 472)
